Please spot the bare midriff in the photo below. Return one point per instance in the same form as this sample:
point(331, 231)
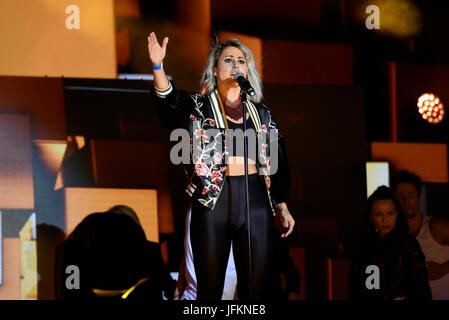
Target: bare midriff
point(236, 164)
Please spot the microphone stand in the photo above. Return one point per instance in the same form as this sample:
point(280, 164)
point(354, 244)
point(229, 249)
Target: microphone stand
point(245, 158)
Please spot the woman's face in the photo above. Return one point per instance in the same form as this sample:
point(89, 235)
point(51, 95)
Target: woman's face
point(383, 215)
point(231, 61)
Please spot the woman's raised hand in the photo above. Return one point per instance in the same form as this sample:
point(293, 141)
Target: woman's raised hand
point(155, 50)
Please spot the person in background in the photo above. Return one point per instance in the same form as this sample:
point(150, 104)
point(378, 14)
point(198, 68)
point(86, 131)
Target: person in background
point(431, 232)
point(163, 280)
point(386, 246)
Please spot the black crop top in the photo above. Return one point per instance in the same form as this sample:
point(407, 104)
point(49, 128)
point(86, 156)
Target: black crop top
point(237, 140)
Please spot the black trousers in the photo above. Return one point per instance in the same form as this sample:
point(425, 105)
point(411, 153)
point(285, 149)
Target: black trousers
point(211, 232)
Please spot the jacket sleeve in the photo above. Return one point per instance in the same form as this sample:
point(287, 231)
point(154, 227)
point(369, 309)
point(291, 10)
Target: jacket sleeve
point(417, 273)
point(280, 179)
point(173, 106)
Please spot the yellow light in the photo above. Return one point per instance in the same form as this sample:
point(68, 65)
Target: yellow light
point(430, 108)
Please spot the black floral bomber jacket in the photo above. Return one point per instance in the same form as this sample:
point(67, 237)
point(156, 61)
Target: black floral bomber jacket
point(206, 171)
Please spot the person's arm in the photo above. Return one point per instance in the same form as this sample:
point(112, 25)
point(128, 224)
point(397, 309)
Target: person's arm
point(173, 106)
point(438, 270)
point(157, 55)
point(280, 183)
point(417, 273)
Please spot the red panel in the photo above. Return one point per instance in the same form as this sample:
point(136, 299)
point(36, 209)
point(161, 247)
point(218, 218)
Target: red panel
point(299, 257)
point(307, 63)
point(304, 12)
point(337, 278)
point(43, 98)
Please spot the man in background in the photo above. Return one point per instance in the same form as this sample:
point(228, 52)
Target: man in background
point(431, 232)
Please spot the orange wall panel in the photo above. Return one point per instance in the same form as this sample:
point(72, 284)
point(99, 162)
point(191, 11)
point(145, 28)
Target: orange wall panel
point(38, 40)
point(16, 163)
point(428, 160)
point(135, 164)
point(42, 98)
point(80, 202)
point(10, 289)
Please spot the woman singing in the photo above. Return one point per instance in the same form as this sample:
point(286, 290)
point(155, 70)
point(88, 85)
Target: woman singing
point(216, 173)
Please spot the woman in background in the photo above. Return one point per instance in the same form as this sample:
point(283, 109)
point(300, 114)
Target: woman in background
point(385, 244)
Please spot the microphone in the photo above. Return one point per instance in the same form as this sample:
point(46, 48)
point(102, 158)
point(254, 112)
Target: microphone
point(244, 84)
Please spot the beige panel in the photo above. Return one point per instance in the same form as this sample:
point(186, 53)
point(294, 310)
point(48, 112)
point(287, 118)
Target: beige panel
point(80, 202)
point(10, 289)
point(16, 168)
point(427, 160)
point(35, 41)
point(51, 153)
point(28, 281)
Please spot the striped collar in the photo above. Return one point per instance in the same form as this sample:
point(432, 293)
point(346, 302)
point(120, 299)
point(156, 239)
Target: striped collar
point(219, 112)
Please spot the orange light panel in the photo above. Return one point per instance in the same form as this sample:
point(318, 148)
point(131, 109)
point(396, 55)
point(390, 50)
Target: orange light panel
point(16, 167)
point(57, 37)
point(80, 202)
point(428, 160)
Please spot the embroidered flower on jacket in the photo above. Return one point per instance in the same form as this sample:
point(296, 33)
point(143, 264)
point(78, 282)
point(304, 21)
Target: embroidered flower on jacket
point(201, 169)
point(200, 134)
point(218, 158)
point(264, 128)
point(192, 117)
point(211, 121)
point(268, 181)
point(217, 177)
point(204, 190)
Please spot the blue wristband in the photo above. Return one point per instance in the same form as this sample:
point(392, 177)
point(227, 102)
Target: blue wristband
point(159, 67)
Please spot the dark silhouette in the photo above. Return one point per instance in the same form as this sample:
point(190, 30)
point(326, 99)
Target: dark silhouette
point(113, 255)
